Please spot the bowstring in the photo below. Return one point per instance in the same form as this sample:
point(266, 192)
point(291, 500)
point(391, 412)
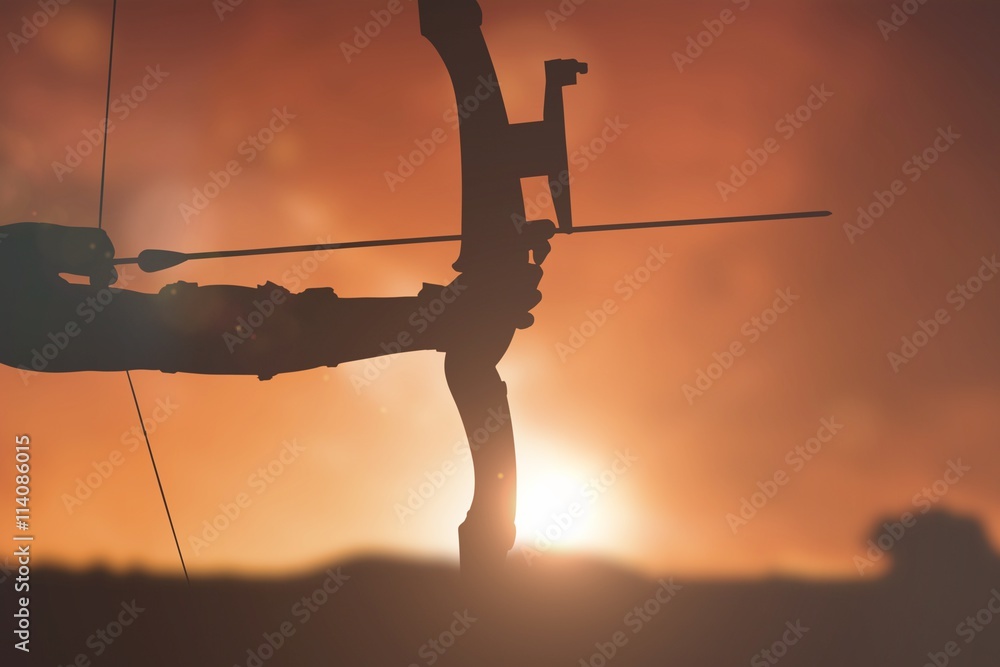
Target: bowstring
point(100, 225)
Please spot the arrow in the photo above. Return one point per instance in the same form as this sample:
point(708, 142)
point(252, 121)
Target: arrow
point(151, 261)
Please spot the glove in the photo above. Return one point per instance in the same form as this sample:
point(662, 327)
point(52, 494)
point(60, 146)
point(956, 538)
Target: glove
point(39, 252)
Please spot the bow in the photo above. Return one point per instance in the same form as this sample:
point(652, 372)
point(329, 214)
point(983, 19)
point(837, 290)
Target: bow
point(499, 259)
point(497, 245)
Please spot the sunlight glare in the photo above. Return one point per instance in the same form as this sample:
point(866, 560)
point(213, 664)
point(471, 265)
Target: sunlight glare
point(553, 509)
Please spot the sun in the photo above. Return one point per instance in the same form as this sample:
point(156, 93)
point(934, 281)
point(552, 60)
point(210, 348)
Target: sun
point(554, 510)
point(571, 498)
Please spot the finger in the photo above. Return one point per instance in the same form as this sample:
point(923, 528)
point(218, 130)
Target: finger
point(525, 321)
point(78, 250)
point(540, 252)
point(104, 276)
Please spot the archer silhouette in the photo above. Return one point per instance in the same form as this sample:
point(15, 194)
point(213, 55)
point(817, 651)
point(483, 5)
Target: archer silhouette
point(51, 325)
point(48, 324)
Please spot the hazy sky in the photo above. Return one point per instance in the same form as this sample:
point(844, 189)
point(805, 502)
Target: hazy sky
point(192, 89)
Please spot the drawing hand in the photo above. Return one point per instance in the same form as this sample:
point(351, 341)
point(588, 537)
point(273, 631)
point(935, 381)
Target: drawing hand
point(39, 252)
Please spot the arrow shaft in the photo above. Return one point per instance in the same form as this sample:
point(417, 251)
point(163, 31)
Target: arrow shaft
point(326, 246)
point(691, 222)
point(312, 247)
point(378, 243)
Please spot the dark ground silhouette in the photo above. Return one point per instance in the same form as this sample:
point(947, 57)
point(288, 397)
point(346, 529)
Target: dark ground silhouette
point(559, 611)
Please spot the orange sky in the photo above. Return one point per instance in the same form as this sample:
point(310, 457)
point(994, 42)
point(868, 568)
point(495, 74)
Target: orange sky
point(365, 445)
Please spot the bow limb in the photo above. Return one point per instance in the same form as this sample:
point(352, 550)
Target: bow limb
point(481, 398)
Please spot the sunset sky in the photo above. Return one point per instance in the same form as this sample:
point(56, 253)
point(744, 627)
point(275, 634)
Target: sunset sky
point(368, 435)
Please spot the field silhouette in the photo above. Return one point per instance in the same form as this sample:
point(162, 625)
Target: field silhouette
point(557, 611)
